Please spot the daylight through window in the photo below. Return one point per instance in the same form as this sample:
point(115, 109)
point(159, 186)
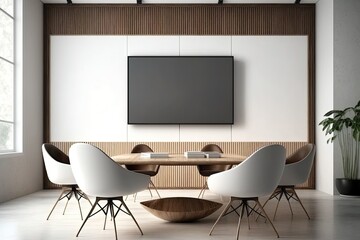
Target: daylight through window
point(7, 76)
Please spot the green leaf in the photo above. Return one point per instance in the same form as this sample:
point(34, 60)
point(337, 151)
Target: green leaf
point(358, 104)
point(332, 112)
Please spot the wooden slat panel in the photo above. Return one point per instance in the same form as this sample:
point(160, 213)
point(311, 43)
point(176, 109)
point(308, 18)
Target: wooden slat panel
point(230, 19)
point(183, 176)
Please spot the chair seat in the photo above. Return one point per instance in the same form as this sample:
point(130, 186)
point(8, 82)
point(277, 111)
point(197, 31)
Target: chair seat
point(207, 173)
point(207, 170)
point(146, 172)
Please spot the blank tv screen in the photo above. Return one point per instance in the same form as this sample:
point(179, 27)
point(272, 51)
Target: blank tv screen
point(180, 90)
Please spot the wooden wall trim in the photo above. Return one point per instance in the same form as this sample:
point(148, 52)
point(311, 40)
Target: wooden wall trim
point(179, 19)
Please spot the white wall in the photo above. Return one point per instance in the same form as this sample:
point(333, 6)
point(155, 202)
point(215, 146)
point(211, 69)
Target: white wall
point(271, 88)
point(346, 62)
point(337, 77)
point(324, 93)
point(88, 79)
point(21, 174)
point(88, 88)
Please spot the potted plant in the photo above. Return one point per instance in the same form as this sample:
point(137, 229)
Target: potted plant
point(344, 126)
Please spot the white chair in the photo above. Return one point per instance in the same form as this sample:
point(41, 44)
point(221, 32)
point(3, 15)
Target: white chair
point(296, 171)
point(256, 176)
point(59, 172)
point(99, 176)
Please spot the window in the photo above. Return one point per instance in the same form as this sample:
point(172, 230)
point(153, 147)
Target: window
point(7, 76)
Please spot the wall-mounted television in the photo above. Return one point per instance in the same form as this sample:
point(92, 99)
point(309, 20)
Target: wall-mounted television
point(180, 90)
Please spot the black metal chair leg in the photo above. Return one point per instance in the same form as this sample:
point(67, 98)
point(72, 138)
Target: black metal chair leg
point(202, 191)
point(113, 217)
point(298, 199)
point(222, 214)
point(277, 205)
point(88, 216)
point(128, 210)
point(106, 214)
point(151, 183)
point(239, 223)
point(263, 211)
point(78, 197)
point(60, 197)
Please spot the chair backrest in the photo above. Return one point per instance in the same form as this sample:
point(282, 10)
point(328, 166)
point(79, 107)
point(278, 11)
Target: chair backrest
point(98, 175)
point(57, 165)
point(216, 168)
point(298, 166)
point(300, 154)
point(212, 148)
point(256, 176)
point(203, 169)
point(141, 148)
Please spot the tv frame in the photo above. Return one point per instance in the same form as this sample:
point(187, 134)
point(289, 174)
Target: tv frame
point(190, 56)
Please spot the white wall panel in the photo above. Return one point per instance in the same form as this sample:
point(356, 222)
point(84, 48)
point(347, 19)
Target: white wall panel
point(153, 133)
point(271, 86)
point(324, 95)
point(157, 46)
point(205, 133)
point(153, 45)
point(205, 46)
point(88, 88)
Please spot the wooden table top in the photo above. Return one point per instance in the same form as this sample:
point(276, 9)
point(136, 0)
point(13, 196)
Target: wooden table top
point(177, 159)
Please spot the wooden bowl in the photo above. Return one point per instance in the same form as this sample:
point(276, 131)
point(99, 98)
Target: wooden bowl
point(181, 209)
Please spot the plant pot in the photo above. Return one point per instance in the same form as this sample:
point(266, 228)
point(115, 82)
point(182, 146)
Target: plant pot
point(348, 187)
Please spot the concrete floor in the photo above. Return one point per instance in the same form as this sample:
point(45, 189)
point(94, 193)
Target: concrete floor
point(332, 217)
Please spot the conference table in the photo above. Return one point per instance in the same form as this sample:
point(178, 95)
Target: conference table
point(179, 209)
point(177, 160)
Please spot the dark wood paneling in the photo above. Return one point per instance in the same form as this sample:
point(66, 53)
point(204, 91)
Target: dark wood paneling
point(228, 19)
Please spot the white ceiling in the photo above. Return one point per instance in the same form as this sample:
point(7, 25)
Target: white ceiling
point(179, 1)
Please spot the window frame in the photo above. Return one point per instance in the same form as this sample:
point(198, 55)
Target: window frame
point(14, 121)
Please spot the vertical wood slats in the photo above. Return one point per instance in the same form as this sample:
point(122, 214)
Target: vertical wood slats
point(183, 176)
point(192, 19)
point(229, 19)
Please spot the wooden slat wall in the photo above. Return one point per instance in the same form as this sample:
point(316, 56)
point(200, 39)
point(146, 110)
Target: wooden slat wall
point(183, 176)
point(228, 19)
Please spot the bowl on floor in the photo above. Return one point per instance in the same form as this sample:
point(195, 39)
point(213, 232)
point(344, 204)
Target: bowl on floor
point(181, 209)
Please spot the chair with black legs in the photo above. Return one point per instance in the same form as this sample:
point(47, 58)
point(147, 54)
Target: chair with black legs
point(99, 176)
point(296, 171)
point(59, 172)
point(255, 177)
